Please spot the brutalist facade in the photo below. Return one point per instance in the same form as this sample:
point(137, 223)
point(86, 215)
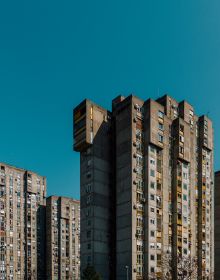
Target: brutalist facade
point(22, 222)
point(146, 189)
point(63, 238)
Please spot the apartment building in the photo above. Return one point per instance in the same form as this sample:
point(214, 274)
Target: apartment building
point(63, 238)
point(22, 220)
point(146, 189)
point(97, 236)
point(217, 225)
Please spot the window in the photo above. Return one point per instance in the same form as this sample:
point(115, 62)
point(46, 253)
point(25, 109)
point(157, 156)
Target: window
point(185, 251)
point(159, 186)
point(160, 126)
point(160, 114)
point(139, 258)
point(152, 185)
point(139, 170)
point(181, 139)
point(89, 199)
point(181, 149)
point(152, 161)
point(140, 185)
point(152, 173)
point(88, 233)
point(152, 257)
point(152, 233)
point(158, 245)
point(185, 186)
point(152, 270)
point(138, 134)
point(152, 197)
point(152, 149)
point(139, 147)
point(139, 248)
point(139, 160)
point(158, 257)
point(88, 188)
point(181, 128)
point(160, 138)
point(185, 197)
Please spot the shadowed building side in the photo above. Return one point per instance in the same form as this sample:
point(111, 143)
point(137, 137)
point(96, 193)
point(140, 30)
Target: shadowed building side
point(92, 138)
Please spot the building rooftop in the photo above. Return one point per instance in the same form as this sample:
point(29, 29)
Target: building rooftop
point(21, 169)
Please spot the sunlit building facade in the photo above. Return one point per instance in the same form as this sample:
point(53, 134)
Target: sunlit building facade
point(217, 225)
point(146, 189)
point(22, 221)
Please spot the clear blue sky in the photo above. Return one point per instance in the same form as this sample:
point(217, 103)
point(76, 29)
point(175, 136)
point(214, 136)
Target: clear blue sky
point(53, 54)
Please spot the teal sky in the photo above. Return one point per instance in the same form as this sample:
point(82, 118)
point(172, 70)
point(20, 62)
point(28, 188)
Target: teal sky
point(53, 54)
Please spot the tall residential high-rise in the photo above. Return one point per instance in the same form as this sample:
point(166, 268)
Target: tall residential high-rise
point(217, 225)
point(146, 189)
point(93, 126)
point(22, 220)
point(63, 238)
